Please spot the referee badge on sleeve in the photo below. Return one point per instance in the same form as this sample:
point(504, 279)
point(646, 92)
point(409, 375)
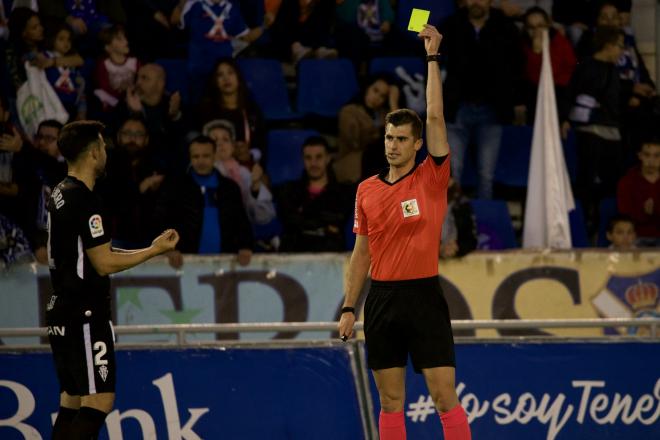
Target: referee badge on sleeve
point(409, 208)
point(95, 226)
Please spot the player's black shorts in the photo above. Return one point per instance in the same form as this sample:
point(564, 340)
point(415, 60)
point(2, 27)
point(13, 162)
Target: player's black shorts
point(408, 317)
point(84, 355)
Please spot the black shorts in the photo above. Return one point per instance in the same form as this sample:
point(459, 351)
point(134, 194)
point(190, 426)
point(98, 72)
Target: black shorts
point(408, 317)
point(84, 356)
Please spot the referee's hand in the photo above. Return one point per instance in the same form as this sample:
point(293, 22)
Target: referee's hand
point(166, 241)
point(432, 39)
point(346, 323)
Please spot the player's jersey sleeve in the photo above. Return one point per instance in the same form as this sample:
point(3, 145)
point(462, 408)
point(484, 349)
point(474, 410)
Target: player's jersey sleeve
point(92, 229)
point(435, 172)
point(360, 219)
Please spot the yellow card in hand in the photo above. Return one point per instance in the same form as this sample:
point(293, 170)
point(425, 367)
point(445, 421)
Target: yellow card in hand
point(418, 19)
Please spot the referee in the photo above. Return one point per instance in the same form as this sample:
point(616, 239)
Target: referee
point(398, 221)
point(80, 259)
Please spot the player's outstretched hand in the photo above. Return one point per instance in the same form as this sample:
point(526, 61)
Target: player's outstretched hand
point(346, 323)
point(166, 241)
point(432, 39)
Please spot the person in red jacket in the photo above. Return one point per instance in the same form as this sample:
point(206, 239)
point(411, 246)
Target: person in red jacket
point(562, 56)
point(638, 194)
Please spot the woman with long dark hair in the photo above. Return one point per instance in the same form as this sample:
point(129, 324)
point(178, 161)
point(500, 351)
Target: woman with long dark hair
point(227, 97)
point(361, 126)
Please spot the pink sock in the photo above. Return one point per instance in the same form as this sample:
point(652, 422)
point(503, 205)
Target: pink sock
point(392, 426)
point(455, 424)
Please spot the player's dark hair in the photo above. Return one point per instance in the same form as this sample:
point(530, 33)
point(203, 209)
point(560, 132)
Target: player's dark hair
point(52, 123)
point(618, 218)
point(201, 139)
point(605, 35)
point(316, 140)
point(406, 116)
point(77, 137)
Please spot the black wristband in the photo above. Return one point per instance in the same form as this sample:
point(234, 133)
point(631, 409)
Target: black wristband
point(348, 310)
point(435, 58)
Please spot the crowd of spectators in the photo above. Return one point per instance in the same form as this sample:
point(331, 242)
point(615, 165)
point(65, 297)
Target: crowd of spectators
point(198, 164)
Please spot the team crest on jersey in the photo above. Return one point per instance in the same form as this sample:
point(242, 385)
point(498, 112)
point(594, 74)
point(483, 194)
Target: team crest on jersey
point(103, 372)
point(95, 226)
point(409, 208)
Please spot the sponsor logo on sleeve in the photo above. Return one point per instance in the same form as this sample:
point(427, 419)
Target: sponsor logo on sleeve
point(95, 226)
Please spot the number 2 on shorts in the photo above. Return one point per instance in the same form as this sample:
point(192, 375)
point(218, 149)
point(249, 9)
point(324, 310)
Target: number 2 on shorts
point(98, 357)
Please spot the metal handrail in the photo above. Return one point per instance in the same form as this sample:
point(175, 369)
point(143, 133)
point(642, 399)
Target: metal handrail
point(181, 330)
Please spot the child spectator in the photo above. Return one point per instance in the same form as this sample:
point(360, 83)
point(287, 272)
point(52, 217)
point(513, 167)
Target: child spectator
point(67, 82)
point(257, 197)
point(116, 72)
point(621, 233)
point(638, 194)
point(227, 97)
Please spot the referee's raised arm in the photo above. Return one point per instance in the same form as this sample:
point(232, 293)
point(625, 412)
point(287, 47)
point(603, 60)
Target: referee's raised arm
point(436, 130)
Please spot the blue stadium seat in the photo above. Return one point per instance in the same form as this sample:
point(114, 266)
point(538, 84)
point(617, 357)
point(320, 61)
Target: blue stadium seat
point(579, 236)
point(606, 210)
point(324, 86)
point(515, 152)
point(265, 79)
point(412, 65)
point(177, 76)
point(285, 155)
point(494, 228)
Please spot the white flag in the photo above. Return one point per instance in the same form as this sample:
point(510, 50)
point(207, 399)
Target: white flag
point(549, 195)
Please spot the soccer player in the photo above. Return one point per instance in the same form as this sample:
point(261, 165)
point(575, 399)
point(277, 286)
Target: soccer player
point(80, 259)
point(398, 220)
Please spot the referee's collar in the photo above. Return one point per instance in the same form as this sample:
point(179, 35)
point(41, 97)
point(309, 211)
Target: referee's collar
point(383, 175)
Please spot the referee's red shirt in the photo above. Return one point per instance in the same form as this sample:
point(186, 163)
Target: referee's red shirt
point(403, 220)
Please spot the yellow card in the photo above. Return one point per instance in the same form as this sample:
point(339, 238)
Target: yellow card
point(418, 19)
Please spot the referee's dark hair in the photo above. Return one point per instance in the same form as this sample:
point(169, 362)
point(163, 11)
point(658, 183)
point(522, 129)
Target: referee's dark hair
point(406, 116)
point(77, 137)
